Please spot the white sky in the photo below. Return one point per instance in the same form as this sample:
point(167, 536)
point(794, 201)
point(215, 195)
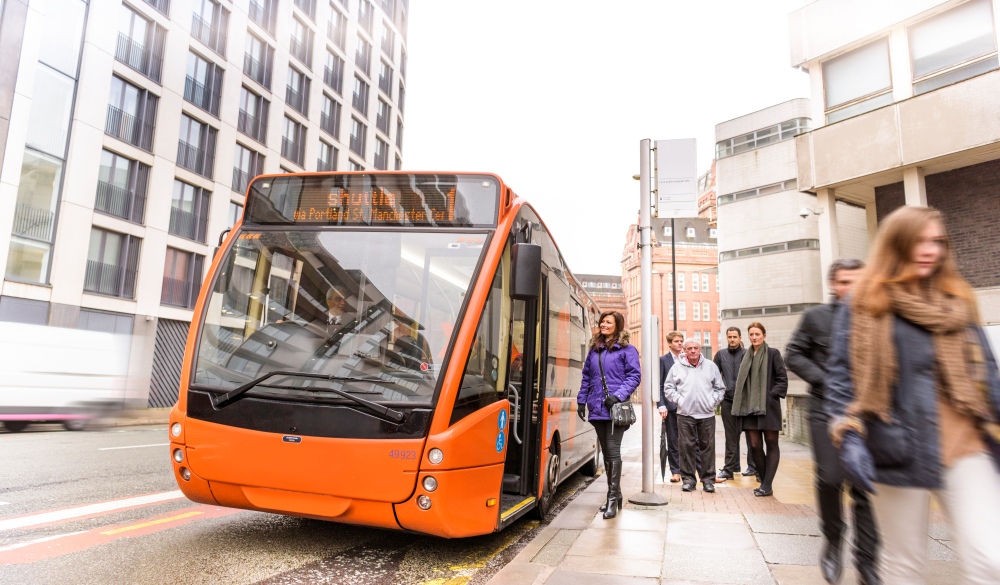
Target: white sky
point(555, 95)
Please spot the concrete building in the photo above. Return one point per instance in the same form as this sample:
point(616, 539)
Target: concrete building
point(129, 131)
point(905, 111)
point(606, 290)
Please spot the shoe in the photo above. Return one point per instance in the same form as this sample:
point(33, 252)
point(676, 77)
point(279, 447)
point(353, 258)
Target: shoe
point(830, 563)
point(761, 492)
point(868, 573)
point(675, 478)
point(750, 471)
point(688, 487)
point(723, 476)
point(710, 488)
point(760, 478)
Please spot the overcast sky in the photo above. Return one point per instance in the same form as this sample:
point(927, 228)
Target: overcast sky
point(555, 95)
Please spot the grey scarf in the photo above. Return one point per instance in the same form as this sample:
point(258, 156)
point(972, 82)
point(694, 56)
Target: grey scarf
point(750, 394)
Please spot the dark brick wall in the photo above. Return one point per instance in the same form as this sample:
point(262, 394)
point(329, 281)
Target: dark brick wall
point(969, 197)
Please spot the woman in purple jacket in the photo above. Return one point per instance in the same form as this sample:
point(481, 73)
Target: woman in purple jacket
point(610, 350)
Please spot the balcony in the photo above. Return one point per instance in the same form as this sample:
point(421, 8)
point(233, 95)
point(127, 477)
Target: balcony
point(291, 150)
point(262, 16)
point(138, 57)
point(334, 79)
point(187, 225)
point(328, 124)
point(385, 84)
point(256, 71)
point(195, 159)
point(127, 127)
point(297, 100)
point(178, 293)
point(161, 6)
point(325, 165)
point(252, 126)
point(300, 50)
point(208, 35)
point(33, 223)
point(109, 279)
point(363, 60)
point(382, 123)
point(241, 180)
point(120, 202)
point(201, 96)
point(358, 144)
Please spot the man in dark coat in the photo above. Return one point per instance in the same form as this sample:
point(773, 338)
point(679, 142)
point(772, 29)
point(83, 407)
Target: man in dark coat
point(806, 355)
point(668, 409)
point(728, 360)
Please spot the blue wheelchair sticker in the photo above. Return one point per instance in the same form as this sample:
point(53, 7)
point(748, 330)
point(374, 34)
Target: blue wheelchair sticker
point(502, 420)
point(500, 441)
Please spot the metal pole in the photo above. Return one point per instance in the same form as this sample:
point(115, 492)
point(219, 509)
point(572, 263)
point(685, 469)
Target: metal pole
point(648, 358)
point(673, 269)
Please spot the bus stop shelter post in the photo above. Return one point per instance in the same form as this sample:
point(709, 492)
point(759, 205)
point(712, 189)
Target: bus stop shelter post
point(650, 356)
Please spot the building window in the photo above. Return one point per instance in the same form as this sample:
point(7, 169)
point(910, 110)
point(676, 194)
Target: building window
point(388, 39)
point(667, 231)
point(209, 25)
point(248, 164)
point(680, 281)
point(706, 314)
point(308, 7)
point(336, 27)
point(355, 165)
point(400, 97)
point(329, 118)
point(760, 138)
point(381, 154)
point(264, 13)
point(252, 119)
point(360, 98)
point(696, 311)
point(363, 56)
point(196, 147)
point(787, 185)
point(301, 43)
point(297, 91)
point(235, 211)
point(385, 78)
point(682, 312)
point(293, 141)
point(704, 282)
point(189, 211)
point(182, 274)
point(694, 283)
point(857, 82)
point(333, 73)
point(383, 116)
point(161, 6)
point(140, 44)
point(953, 46)
point(121, 187)
point(712, 233)
point(366, 16)
point(131, 114)
point(52, 106)
point(399, 133)
point(34, 218)
point(708, 340)
point(258, 61)
point(358, 136)
point(112, 264)
point(327, 160)
point(399, 164)
point(203, 84)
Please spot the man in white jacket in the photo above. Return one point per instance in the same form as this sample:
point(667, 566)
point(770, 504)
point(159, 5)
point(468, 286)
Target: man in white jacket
point(696, 385)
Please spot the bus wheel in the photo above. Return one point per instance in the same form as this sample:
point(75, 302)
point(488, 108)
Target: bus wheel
point(15, 426)
point(591, 467)
point(549, 488)
point(76, 424)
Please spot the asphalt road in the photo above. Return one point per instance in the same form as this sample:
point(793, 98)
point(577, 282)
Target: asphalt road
point(101, 507)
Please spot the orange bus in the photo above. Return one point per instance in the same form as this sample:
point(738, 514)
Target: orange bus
point(400, 350)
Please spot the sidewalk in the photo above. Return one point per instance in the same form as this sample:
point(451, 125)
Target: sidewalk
point(730, 536)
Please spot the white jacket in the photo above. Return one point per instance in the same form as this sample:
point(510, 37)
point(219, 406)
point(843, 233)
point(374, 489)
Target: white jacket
point(697, 390)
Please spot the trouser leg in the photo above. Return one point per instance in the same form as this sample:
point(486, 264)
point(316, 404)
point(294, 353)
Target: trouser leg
point(706, 443)
point(688, 445)
point(866, 540)
point(731, 425)
point(829, 476)
point(602, 428)
point(973, 511)
point(903, 516)
point(673, 443)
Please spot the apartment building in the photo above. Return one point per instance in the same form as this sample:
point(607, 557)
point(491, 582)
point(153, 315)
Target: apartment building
point(606, 290)
point(130, 129)
point(904, 112)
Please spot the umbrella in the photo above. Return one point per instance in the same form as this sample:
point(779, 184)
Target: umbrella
point(663, 450)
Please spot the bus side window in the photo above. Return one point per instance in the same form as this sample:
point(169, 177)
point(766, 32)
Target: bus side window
point(484, 380)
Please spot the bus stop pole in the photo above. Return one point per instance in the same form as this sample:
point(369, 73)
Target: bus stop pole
point(649, 358)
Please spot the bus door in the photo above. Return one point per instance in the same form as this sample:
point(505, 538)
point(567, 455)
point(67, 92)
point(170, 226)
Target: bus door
point(520, 467)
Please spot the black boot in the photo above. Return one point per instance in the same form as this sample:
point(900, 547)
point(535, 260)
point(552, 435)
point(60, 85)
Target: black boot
point(830, 563)
point(614, 489)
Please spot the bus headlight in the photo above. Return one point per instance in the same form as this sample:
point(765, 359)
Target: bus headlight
point(430, 484)
point(424, 503)
point(178, 455)
point(435, 456)
point(175, 429)
point(186, 473)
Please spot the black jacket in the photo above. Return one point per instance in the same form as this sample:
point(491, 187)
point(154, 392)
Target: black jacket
point(729, 364)
point(807, 352)
point(666, 362)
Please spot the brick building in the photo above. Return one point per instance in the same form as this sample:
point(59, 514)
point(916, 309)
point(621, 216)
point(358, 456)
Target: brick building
point(606, 290)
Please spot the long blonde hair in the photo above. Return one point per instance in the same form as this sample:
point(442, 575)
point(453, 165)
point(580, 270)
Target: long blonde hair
point(891, 262)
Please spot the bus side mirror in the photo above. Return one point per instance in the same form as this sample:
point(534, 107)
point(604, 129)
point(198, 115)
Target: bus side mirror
point(222, 236)
point(527, 271)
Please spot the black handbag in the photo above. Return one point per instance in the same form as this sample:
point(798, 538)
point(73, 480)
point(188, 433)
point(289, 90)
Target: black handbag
point(622, 413)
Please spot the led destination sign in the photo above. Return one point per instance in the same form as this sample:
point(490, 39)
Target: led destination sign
point(375, 200)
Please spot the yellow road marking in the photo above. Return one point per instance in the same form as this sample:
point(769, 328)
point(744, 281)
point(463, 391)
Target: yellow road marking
point(526, 501)
point(151, 523)
point(449, 581)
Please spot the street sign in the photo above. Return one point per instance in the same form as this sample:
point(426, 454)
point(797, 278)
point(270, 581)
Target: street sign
point(676, 178)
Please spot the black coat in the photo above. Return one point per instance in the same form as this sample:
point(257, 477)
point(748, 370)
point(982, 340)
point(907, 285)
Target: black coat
point(808, 350)
point(666, 362)
point(777, 388)
point(729, 365)
point(907, 452)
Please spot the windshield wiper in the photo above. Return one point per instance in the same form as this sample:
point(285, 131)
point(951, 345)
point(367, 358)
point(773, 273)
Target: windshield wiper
point(224, 400)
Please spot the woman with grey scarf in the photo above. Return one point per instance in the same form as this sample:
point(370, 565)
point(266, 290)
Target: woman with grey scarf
point(760, 384)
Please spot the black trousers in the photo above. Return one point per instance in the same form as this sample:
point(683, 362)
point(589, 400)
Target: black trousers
point(829, 490)
point(731, 424)
point(610, 439)
point(697, 437)
point(673, 442)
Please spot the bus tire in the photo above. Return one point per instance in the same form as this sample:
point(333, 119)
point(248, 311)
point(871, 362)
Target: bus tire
point(76, 424)
point(591, 467)
point(15, 426)
point(547, 496)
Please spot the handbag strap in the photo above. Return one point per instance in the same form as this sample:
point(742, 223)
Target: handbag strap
point(604, 382)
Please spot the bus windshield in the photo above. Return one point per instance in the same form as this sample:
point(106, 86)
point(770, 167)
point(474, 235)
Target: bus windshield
point(373, 310)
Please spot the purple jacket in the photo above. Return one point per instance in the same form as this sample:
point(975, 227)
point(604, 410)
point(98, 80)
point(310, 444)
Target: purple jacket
point(621, 369)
